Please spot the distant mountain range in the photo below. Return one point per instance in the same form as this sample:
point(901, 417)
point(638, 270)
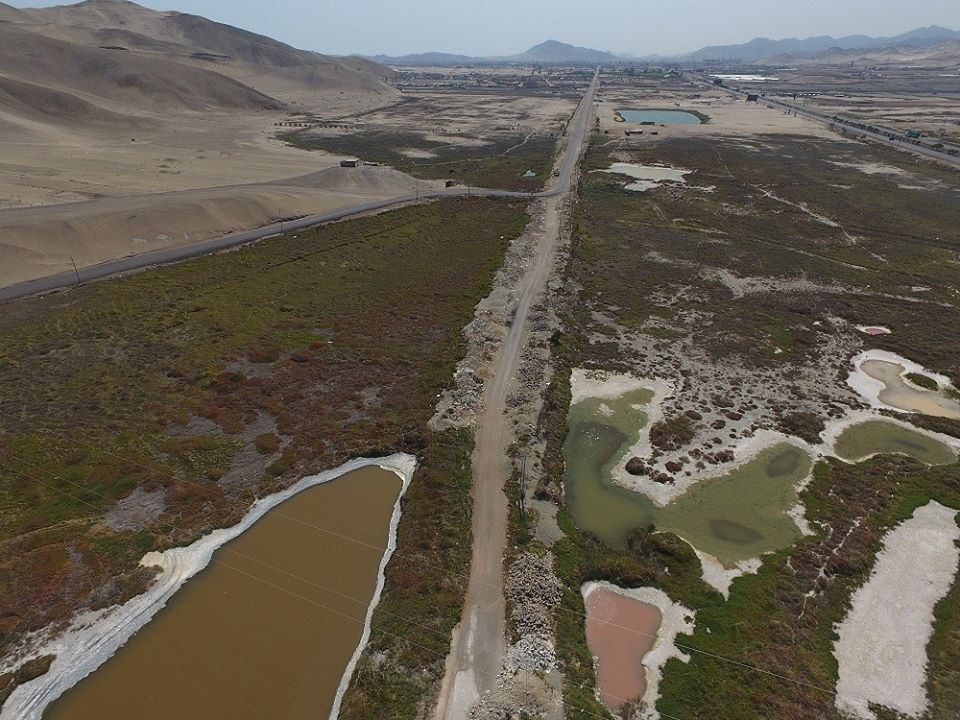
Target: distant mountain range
point(547, 53)
point(758, 49)
point(763, 48)
point(943, 54)
point(553, 51)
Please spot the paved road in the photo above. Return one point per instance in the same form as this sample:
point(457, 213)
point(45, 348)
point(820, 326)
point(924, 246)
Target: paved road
point(899, 141)
point(225, 242)
point(479, 641)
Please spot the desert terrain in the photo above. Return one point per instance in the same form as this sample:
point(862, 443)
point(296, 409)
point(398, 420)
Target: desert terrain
point(139, 109)
point(641, 401)
point(96, 167)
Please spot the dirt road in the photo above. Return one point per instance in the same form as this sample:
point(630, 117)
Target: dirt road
point(479, 641)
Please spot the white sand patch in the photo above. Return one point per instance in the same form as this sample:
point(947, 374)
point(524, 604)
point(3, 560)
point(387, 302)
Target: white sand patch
point(719, 576)
point(417, 154)
point(602, 385)
point(872, 168)
point(797, 513)
point(881, 644)
point(675, 620)
point(742, 286)
point(93, 637)
point(647, 176)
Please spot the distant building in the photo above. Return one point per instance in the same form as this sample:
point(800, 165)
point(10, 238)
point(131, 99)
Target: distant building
point(353, 162)
point(753, 98)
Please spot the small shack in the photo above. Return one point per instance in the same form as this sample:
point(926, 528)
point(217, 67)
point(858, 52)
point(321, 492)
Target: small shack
point(352, 162)
point(753, 98)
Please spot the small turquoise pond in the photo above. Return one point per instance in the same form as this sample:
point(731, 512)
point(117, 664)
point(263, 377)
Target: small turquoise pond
point(661, 117)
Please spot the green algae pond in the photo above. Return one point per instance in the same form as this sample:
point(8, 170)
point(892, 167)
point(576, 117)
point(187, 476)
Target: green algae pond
point(733, 517)
point(874, 437)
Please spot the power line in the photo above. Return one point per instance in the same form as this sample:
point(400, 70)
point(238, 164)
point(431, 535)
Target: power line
point(575, 613)
point(444, 636)
point(408, 620)
point(328, 609)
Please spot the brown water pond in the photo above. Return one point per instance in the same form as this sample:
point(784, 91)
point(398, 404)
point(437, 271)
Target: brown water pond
point(900, 394)
point(620, 632)
point(267, 630)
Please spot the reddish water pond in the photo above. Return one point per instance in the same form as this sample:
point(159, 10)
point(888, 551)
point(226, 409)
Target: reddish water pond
point(620, 632)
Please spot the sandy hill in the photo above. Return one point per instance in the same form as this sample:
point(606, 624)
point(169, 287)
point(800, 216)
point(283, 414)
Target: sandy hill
point(9, 14)
point(116, 80)
point(43, 104)
point(269, 66)
point(553, 51)
point(101, 61)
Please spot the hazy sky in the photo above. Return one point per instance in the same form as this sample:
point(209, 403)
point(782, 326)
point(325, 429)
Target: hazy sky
point(503, 27)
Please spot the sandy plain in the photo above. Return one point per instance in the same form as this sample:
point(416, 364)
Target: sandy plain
point(881, 644)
